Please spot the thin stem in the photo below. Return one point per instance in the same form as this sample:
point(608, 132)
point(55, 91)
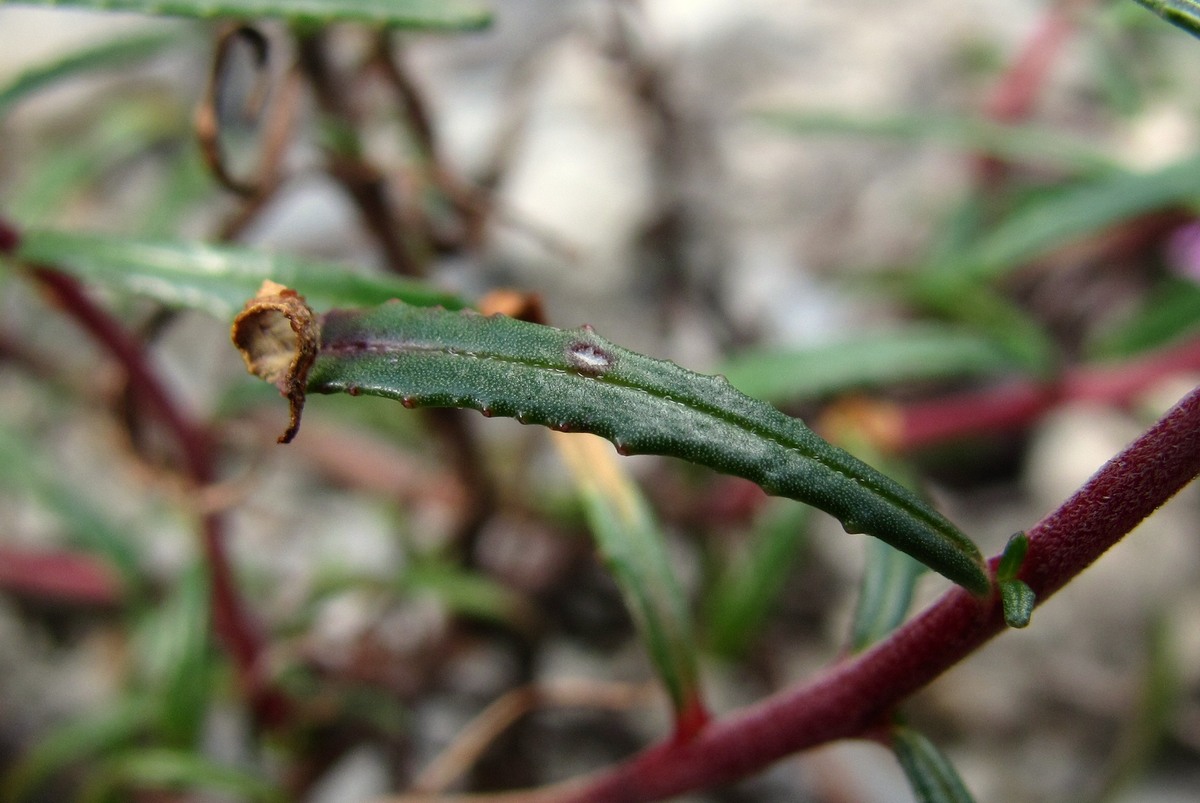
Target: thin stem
point(1018, 404)
point(363, 182)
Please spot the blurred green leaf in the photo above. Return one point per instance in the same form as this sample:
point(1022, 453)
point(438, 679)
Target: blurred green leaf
point(750, 585)
point(575, 380)
point(215, 279)
point(889, 581)
point(470, 593)
point(116, 53)
point(176, 770)
point(1172, 312)
point(71, 163)
point(23, 467)
point(634, 548)
point(429, 14)
point(978, 306)
point(1183, 14)
point(932, 778)
point(82, 739)
point(1158, 704)
point(174, 652)
point(1057, 218)
point(1022, 143)
point(919, 352)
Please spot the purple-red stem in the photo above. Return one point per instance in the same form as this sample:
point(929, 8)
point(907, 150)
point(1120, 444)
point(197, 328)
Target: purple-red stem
point(232, 624)
point(61, 577)
point(1017, 404)
point(1013, 97)
point(852, 698)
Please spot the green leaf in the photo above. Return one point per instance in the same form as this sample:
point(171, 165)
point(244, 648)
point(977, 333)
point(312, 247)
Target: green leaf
point(932, 778)
point(977, 305)
point(1172, 312)
point(470, 593)
point(1018, 601)
point(1013, 142)
point(576, 380)
point(1146, 728)
point(117, 53)
point(749, 588)
point(889, 581)
point(215, 279)
point(82, 739)
point(23, 466)
point(1183, 14)
point(1058, 218)
point(1013, 556)
point(878, 359)
point(633, 547)
point(156, 768)
point(72, 162)
point(175, 655)
point(430, 14)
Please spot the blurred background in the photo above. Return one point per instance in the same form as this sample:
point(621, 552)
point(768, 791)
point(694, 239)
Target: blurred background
point(960, 237)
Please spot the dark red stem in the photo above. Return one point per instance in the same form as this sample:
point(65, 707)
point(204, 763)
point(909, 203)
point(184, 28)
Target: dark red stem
point(61, 577)
point(1017, 404)
point(851, 698)
point(231, 622)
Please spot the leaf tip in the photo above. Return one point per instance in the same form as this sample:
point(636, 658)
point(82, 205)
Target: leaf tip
point(278, 336)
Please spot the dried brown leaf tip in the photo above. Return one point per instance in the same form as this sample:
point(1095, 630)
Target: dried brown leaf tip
point(514, 304)
point(278, 336)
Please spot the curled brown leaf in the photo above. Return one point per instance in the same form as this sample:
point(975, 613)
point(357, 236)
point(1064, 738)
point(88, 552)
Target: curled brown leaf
point(278, 335)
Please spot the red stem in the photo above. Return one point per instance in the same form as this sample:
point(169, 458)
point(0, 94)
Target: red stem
point(851, 698)
point(1017, 404)
point(231, 622)
point(1013, 97)
point(59, 576)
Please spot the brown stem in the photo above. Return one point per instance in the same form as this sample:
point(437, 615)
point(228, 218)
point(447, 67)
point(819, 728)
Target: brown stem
point(206, 121)
point(362, 181)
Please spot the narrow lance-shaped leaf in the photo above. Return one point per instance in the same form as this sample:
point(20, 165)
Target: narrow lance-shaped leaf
point(1064, 216)
point(932, 777)
point(83, 738)
point(916, 352)
point(989, 137)
point(750, 585)
point(888, 584)
point(437, 14)
point(575, 380)
point(211, 278)
point(115, 53)
point(183, 770)
point(632, 546)
point(1181, 13)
